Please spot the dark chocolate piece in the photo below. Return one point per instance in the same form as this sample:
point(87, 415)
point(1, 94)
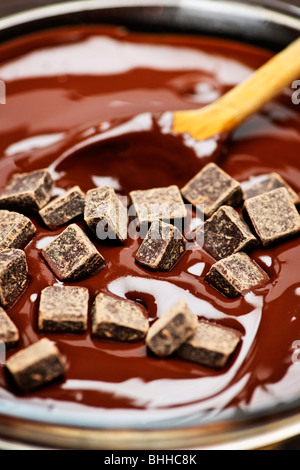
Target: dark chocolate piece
point(212, 188)
point(172, 329)
point(16, 230)
point(36, 365)
point(162, 248)
point(225, 233)
point(63, 208)
point(266, 183)
point(273, 215)
point(236, 275)
point(13, 275)
point(27, 191)
point(9, 333)
point(157, 203)
point(72, 256)
point(211, 345)
point(105, 214)
point(118, 319)
point(63, 309)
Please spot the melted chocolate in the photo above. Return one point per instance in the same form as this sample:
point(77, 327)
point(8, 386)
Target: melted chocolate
point(64, 89)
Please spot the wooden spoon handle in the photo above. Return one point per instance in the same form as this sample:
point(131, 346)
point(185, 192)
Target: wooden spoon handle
point(226, 113)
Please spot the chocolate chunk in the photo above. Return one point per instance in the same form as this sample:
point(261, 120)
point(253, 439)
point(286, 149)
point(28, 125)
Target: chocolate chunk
point(118, 319)
point(266, 183)
point(273, 215)
point(105, 214)
point(162, 247)
point(27, 191)
point(63, 309)
point(63, 208)
point(9, 333)
point(72, 256)
point(236, 275)
point(212, 188)
point(211, 345)
point(13, 275)
point(226, 233)
point(172, 329)
point(157, 203)
point(16, 230)
point(36, 365)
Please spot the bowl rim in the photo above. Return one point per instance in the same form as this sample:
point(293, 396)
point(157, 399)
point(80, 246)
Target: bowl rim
point(253, 10)
point(257, 432)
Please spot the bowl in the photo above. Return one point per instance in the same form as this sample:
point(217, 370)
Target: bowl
point(271, 25)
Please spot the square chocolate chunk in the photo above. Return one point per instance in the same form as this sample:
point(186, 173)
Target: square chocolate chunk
point(13, 275)
point(16, 230)
point(63, 309)
point(105, 214)
point(118, 319)
point(273, 215)
point(27, 191)
point(236, 275)
point(162, 248)
point(72, 256)
point(266, 183)
point(37, 365)
point(225, 233)
point(172, 329)
point(63, 208)
point(157, 203)
point(211, 345)
point(212, 188)
point(9, 333)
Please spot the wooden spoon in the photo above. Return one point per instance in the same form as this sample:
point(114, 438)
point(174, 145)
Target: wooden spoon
point(226, 113)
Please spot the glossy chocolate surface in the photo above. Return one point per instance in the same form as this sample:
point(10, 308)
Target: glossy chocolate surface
point(77, 102)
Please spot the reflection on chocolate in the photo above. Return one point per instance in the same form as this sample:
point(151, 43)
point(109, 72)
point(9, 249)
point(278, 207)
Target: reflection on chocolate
point(50, 111)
